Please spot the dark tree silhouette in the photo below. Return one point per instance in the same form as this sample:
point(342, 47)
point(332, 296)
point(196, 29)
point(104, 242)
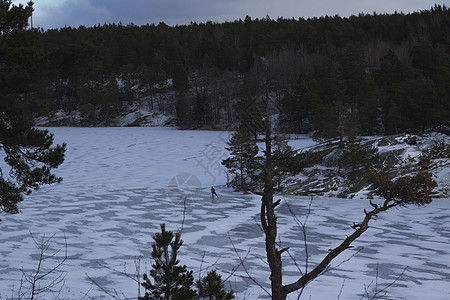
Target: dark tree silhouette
point(28, 152)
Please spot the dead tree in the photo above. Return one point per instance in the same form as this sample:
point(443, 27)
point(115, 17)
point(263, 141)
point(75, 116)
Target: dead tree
point(416, 189)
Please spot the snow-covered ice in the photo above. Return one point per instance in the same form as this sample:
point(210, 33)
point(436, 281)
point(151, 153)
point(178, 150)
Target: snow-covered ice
point(120, 184)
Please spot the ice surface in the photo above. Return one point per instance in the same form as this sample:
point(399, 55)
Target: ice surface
point(120, 184)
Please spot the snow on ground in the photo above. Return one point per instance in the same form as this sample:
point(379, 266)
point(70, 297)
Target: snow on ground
point(145, 118)
point(120, 184)
point(410, 154)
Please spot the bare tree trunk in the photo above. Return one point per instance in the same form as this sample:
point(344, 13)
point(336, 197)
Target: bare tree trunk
point(268, 218)
point(241, 167)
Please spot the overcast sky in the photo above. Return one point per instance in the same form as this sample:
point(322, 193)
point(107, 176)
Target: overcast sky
point(59, 13)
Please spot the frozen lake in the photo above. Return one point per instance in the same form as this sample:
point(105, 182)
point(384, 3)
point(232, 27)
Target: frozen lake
point(120, 184)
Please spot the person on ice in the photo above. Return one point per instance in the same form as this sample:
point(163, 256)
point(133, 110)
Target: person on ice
point(213, 193)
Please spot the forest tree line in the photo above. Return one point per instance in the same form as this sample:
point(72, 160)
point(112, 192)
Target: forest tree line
point(366, 74)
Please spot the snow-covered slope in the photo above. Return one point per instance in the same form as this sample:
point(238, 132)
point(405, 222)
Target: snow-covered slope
point(398, 158)
point(131, 116)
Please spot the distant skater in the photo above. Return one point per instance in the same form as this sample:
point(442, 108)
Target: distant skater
point(213, 193)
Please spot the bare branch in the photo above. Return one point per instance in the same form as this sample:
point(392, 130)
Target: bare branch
point(302, 226)
point(245, 269)
point(184, 215)
point(201, 266)
point(113, 295)
point(329, 268)
point(37, 278)
point(380, 293)
point(259, 225)
point(124, 273)
point(305, 279)
point(340, 291)
point(276, 203)
point(85, 295)
point(295, 262)
point(283, 250)
point(233, 270)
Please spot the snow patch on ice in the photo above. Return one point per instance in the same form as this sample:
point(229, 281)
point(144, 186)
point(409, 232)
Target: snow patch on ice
point(116, 192)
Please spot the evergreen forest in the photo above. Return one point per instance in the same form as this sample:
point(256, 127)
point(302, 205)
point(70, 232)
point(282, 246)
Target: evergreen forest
point(366, 74)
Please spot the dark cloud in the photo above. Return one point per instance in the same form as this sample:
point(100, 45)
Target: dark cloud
point(91, 12)
point(58, 13)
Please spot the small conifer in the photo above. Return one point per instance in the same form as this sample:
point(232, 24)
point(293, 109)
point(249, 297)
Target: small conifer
point(243, 162)
point(170, 280)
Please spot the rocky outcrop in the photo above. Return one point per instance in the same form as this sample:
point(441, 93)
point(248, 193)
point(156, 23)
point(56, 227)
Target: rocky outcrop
point(332, 177)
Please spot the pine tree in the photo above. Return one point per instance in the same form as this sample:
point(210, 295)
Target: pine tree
point(285, 160)
point(295, 108)
point(14, 18)
point(243, 161)
point(211, 287)
point(359, 158)
point(200, 108)
point(389, 78)
point(170, 280)
point(249, 113)
point(182, 111)
point(328, 102)
point(28, 152)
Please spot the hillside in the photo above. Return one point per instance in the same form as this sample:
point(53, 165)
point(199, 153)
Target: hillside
point(372, 74)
